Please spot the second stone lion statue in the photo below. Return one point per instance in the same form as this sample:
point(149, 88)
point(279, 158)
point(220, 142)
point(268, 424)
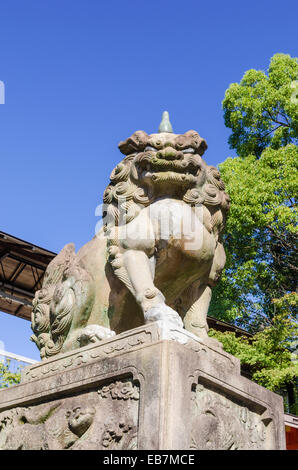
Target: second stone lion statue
point(157, 256)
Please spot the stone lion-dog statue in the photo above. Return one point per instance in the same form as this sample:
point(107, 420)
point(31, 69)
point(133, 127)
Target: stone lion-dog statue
point(156, 257)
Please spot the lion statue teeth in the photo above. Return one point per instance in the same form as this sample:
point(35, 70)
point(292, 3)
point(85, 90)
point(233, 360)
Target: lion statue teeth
point(157, 256)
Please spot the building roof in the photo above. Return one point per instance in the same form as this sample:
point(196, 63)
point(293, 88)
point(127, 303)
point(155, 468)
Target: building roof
point(223, 326)
point(22, 267)
point(291, 420)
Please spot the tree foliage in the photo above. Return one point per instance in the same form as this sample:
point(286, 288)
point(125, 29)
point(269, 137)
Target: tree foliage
point(261, 110)
point(8, 377)
point(261, 236)
point(258, 288)
point(268, 354)
point(261, 233)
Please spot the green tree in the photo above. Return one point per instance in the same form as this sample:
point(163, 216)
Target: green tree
point(261, 237)
point(8, 377)
point(258, 288)
point(269, 356)
point(261, 110)
point(261, 232)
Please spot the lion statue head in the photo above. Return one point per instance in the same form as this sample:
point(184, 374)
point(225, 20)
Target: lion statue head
point(163, 165)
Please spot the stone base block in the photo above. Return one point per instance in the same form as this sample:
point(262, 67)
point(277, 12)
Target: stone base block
point(154, 387)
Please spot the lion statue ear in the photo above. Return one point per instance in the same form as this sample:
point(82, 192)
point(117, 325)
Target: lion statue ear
point(196, 141)
point(136, 143)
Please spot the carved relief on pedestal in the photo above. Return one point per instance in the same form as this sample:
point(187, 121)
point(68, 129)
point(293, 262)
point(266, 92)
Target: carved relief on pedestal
point(106, 418)
point(221, 422)
point(121, 428)
point(107, 348)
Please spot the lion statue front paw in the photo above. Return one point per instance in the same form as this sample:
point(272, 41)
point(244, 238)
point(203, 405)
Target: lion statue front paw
point(163, 312)
point(93, 334)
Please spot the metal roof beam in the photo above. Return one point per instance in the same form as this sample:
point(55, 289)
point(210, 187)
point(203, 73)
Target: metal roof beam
point(27, 261)
point(17, 289)
point(13, 298)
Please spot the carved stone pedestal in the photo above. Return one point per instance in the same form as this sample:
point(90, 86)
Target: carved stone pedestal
point(154, 387)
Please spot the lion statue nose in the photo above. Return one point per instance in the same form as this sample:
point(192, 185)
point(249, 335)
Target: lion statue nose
point(169, 153)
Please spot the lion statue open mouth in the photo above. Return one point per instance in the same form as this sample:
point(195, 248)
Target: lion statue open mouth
point(156, 257)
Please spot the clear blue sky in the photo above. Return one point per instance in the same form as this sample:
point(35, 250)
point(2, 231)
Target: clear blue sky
point(82, 75)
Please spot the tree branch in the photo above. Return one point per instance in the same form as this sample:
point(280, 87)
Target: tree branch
point(275, 120)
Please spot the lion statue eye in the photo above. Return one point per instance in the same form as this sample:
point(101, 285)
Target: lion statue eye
point(188, 150)
point(150, 148)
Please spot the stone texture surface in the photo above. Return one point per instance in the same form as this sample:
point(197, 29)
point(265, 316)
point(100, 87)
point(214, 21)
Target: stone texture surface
point(155, 387)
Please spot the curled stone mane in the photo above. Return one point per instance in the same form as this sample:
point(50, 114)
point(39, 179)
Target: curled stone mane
point(126, 195)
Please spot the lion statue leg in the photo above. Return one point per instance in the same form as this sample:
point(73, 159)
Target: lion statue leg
point(195, 319)
point(133, 261)
point(140, 274)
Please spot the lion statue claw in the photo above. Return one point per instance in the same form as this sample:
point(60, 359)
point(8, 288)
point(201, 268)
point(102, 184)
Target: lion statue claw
point(157, 256)
point(93, 334)
point(164, 313)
